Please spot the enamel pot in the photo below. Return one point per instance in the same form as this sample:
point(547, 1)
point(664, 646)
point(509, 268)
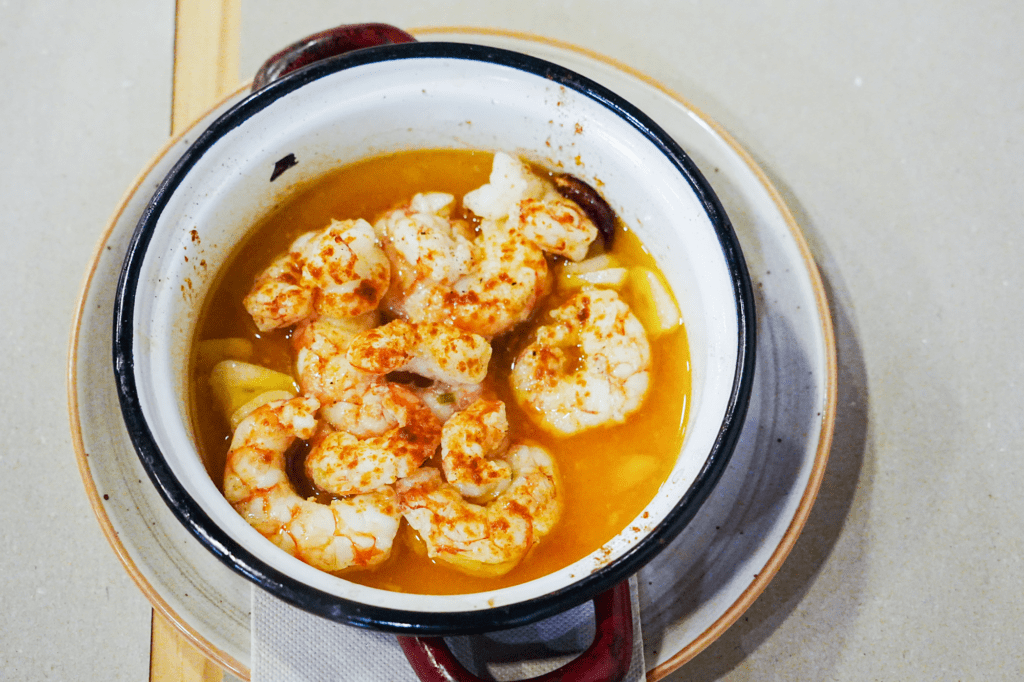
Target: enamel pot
point(361, 91)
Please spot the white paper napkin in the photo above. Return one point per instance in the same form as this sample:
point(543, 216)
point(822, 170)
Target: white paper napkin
point(290, 645)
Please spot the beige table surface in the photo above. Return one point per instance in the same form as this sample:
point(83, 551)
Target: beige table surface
point(895, 131)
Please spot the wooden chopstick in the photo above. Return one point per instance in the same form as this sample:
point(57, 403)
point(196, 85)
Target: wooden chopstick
point(173, 659)
point(206, 45)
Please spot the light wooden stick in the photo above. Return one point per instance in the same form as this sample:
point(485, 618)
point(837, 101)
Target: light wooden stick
point(206, 42)
point(173, 659)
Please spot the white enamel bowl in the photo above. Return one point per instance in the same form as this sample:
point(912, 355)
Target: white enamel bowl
point(426, 95)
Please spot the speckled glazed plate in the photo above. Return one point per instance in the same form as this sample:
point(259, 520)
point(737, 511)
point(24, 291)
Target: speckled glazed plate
point(698, 586)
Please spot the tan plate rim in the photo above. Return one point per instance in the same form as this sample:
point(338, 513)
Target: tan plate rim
point(731, 614)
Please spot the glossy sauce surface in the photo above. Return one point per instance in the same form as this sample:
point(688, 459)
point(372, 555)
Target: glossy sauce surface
point(608, 474)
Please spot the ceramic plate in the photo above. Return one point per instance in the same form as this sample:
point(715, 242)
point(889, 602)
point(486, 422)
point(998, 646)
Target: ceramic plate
point(698, 586)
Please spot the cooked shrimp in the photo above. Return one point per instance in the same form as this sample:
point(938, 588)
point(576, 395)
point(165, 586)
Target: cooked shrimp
point(556, 224)
point(325, 372)
point(508, 276)
point(522, 218)
point(358, 531)
point(347, 268)
point(396, 433)
point(590, 367)
point(502, 290)
point(470, 442)
point(491, 539)
point(340, 271)
point(422, 241)
point(430, 349)
point(489, 283)
point(382, 431)
point(279, 298)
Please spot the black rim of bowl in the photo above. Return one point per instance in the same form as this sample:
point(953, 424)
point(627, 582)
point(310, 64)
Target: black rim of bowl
point(299, 594)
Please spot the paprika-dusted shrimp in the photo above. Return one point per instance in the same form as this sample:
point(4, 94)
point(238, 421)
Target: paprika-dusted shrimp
point(556, 224)
point(485, 286)
point(490, 282)
point(430, 349)
point(325, 372)
point(382, 430)
point(397, 435)
point(471, 442)
point(423, 244)
point(501, 289)
point(491, 539)
point(348, 269)
point(340, 271)
point(278, 297)
point(589, 367)
point(354, 532)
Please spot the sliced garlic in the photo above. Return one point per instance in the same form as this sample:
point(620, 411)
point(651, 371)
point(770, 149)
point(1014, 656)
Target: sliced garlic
point(212, 351)
point(602, 262)
point(259, 401)
point(235, 383)
point(653, 303)
point(603, 270)
point(612, 278)
point(631, 471)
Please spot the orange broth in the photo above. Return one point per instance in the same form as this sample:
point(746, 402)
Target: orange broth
point(608, 474)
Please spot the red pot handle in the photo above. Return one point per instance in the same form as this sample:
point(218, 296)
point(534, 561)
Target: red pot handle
point(606, 660)
point(329, 43)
